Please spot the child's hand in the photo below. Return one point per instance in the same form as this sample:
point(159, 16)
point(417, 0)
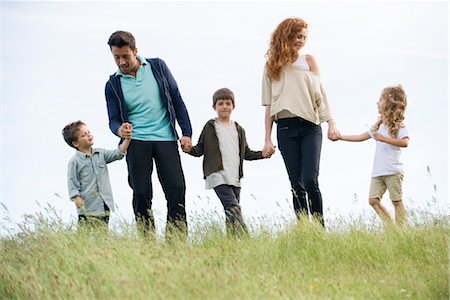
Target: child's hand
point(186, 148)
point(268, 152)
point(268, 149)
point(378, 136)
point(333, 133)
point(337, 137)
point(186, 143)
point(125, 130)
point(79, 202)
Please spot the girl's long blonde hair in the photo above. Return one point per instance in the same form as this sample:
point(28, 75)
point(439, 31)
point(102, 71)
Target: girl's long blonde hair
point(281, 49)
point(392, 111)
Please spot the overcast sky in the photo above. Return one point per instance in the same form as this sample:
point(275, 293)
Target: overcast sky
point(55, 61)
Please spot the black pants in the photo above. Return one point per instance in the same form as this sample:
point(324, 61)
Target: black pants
point(300, 143)
point(140, 158)
point(229, 195)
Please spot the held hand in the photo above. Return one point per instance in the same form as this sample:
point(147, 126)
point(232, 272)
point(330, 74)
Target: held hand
point(268, 154)
point(125, 130)
point(268, 150)
point(186, 149)
point(333, 132)
point(186, 144)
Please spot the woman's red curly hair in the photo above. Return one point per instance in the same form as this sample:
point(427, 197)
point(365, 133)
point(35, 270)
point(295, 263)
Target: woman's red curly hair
point(281, 49)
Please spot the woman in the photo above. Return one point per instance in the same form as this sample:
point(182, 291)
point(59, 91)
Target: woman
point(295, 100)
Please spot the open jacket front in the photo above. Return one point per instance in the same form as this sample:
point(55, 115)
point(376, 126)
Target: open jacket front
point(208, 145)
point(170, 94)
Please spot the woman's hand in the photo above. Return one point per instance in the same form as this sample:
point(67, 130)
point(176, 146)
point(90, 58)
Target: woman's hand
point(268, 150)
point(333, 132)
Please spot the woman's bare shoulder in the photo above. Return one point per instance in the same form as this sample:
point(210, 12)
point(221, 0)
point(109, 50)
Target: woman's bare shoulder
point(312, 63)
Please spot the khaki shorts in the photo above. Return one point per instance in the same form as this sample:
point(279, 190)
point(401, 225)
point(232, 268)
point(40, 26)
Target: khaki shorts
point(393, 183)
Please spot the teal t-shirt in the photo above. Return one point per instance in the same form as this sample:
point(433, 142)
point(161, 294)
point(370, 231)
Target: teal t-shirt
point(146, 110)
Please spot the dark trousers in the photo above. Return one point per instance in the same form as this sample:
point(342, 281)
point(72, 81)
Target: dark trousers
point(300, 143)
point(140, 158)
point(229, 195)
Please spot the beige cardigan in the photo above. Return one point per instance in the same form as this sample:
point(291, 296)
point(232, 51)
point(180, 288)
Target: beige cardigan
point(298, 93)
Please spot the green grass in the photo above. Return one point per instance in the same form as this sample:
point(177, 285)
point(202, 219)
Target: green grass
point(52, 261)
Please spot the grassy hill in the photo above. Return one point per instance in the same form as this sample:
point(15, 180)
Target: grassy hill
point(53, 261)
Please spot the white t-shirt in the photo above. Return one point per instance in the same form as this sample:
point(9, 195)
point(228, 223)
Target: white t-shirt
point(387, 157)
point(229, 149)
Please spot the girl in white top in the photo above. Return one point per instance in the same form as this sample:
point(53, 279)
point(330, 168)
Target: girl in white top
point(295, 99)
point(390, 134)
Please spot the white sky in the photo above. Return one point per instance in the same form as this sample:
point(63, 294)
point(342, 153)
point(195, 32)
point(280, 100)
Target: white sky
point(55, 61)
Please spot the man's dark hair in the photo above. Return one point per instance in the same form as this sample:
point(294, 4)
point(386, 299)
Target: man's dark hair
point(121, 39)
point(223, 94)
point(70, 132)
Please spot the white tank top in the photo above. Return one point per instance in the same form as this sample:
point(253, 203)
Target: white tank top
point(301, 62)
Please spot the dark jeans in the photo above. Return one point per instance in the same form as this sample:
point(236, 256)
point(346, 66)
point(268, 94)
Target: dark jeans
point(140, 158)
point(300, 143)
point(229, 195)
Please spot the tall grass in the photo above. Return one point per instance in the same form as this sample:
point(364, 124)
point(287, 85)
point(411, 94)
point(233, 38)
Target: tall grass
point(50, 260)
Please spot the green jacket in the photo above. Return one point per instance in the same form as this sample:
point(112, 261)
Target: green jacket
point(208, 145)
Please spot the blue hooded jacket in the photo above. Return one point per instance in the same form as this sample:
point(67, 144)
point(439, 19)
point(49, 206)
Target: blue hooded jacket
point(118, 113)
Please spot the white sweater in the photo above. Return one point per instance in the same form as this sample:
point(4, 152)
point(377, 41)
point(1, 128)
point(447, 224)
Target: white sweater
point(298, 93)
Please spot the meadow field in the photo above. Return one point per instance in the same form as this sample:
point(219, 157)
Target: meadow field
point(51, 260)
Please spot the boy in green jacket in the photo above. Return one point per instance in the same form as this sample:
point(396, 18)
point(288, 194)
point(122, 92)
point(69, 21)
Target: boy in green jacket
point(224, 146)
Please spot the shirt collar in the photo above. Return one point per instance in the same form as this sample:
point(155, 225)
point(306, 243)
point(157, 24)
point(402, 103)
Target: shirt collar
point(141, 60)
point(83, 155)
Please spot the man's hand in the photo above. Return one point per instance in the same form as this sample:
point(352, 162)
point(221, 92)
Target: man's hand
point(186, 143)
point(125, 130)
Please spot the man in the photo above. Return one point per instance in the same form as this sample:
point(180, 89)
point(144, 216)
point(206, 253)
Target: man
point(144, 93)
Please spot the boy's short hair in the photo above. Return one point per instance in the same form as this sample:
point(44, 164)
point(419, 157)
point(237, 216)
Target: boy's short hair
point(70, 132)
point(121, 39)
point(223, 94)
